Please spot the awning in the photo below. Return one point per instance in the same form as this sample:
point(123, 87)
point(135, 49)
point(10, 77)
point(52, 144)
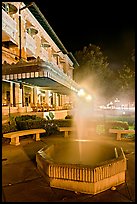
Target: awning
point(41, 74)
point(48, 84)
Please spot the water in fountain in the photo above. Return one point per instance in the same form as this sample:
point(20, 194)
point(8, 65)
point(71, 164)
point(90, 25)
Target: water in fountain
point(82, 114)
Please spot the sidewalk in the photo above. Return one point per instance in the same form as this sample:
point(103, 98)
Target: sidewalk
point(22, 182)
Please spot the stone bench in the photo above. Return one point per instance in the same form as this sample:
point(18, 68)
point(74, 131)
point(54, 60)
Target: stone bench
point(14, 136)
point(119, 132)
point(66, 130)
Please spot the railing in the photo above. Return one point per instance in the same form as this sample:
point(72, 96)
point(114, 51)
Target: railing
point(30, 43)
point(57, 74)
point(43, 54)
point(9, 25)
point(47, 69)
point(54, 61)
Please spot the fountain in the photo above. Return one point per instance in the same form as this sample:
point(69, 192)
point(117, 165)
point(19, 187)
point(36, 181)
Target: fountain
point(85, 166)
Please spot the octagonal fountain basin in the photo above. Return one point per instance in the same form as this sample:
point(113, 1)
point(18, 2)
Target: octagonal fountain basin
point(82, 166)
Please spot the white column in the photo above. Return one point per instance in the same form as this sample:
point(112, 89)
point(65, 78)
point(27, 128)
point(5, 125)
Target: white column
point(35, 95)
point(47, 97)
point(11, 93)
point(32, 97)
point(17, 94)
point(54, 98)
point(20, 97)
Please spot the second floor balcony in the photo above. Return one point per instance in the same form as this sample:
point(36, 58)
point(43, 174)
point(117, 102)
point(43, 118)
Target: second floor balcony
point(44, 54)
point(9, 31)
point(30, 45)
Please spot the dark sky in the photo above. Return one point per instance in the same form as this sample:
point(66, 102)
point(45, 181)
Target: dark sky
point(108, 24)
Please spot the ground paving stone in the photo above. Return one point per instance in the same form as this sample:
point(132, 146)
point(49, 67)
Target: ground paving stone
point(27, 185)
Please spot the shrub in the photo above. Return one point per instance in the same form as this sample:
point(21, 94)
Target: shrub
point(115, 125)
point(51, 128)
point(31, 124)
point(8, 128)
point(27, 122)
point(69, 117)
point(25, 117)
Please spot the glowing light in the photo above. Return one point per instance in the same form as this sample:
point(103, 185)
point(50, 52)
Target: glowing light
point(117, 100)
point(111, 103)
point(81, 92)
point(88, 97)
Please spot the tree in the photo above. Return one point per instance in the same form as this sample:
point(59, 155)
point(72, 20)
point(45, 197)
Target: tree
point(127, 76)
point(93, 70)
point(96, 73)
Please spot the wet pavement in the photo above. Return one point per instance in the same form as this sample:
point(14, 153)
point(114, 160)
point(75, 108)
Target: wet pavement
point(22, 182)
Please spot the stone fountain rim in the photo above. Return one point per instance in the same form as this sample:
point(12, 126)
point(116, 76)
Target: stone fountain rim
point(49, 159)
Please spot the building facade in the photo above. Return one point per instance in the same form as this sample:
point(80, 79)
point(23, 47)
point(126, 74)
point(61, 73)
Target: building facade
point(37, 70)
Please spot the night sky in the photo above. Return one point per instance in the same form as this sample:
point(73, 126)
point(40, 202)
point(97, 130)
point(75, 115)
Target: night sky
point(107, 24)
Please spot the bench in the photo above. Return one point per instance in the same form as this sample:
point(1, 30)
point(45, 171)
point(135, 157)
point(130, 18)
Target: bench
point(119, 132)
point(66, 130)
point(14, 136)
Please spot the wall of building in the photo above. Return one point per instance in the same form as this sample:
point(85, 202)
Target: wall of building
point(35, 42)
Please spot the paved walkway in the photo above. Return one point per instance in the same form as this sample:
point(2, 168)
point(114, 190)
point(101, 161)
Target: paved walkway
point(22, 182)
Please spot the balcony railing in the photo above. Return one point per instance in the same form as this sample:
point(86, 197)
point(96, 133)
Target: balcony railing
point(30, 44)
point(46, 69)
point(57, 74)
point(54, 60)
point(8, 25)
point(44, 54)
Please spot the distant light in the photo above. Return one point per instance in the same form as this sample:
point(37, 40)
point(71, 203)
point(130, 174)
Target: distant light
point(111, 103)
point(88, 97)
point(117, 100)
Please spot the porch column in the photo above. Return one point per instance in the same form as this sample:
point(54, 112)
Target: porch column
point(35, 98)
point(20, 96)
point(60, 100)
point(57, 99)
point(17, 94)
point(23, 96)
point(32, 95)
point(47, 97)
point(11, 93)
point(54, 99)
point(63, 99)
